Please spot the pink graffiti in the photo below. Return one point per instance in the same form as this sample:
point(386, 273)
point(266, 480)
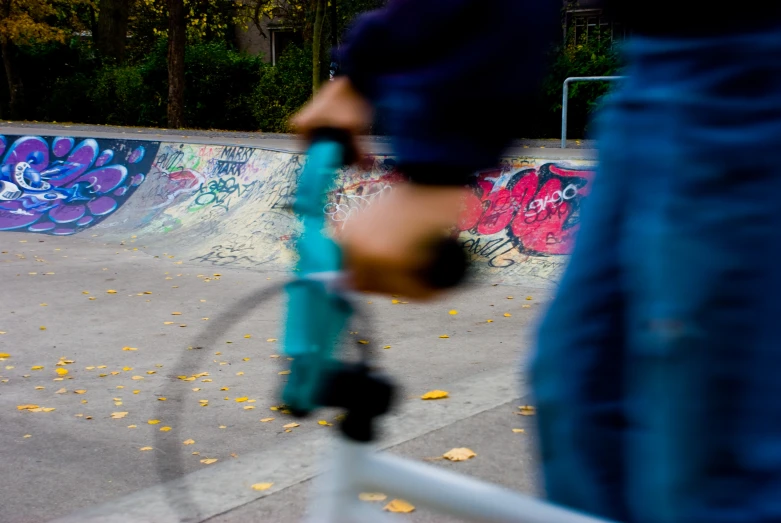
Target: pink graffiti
point(538, 208)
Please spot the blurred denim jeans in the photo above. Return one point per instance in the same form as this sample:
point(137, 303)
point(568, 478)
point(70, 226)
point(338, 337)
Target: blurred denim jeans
point(657, 374)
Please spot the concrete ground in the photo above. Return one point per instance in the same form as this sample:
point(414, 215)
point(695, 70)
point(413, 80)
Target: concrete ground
point(126, 323)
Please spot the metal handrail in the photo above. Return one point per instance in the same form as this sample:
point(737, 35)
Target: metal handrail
point(565, 99)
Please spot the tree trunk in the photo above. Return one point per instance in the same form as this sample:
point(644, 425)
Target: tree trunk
point(15, 86)
point(317, 44)
point(111, 31)
point(176, 43)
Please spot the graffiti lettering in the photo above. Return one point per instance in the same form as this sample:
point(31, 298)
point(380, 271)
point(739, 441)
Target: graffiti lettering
point(170, 159)
point(218, 192)
point(489, 249)
point(237, 154)
point(347, 204)
point(221, 255)
point(539, 209)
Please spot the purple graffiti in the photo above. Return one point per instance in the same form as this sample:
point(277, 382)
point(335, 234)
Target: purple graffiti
point(60, 187)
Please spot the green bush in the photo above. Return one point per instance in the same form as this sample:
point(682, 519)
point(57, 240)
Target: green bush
point(283, 89)
point(121, 96)
point(595, 56)
point(219, 87)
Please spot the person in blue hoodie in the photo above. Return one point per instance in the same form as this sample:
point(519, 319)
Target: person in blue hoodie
point(656, 372)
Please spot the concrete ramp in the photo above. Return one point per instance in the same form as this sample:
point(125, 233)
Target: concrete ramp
point(224, 205)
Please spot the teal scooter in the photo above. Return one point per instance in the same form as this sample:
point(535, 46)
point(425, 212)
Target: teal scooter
point(319, 310)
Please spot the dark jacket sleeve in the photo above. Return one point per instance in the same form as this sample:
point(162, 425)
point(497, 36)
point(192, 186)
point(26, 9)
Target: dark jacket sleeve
point(450, 74)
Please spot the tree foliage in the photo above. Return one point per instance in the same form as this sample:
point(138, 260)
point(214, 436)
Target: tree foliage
point(26, 22)
point(595, 55)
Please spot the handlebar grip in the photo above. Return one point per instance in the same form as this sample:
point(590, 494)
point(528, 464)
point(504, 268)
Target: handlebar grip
point(448, 266)
point(340, 136)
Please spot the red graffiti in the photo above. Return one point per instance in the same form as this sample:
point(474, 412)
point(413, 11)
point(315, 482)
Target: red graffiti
point(538, 208)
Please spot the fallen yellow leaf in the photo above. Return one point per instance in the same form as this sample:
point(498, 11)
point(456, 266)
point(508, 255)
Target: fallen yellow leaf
point(527, 410)
point(61, 372)
point(489, 321)
point(165, 429)
point(266, 420)
point(324, 423)
point(459, 454)
point(37, 367)
point(151, 372)
point(62, 391)
point(44, 304)
point(188, 442)
point(248, 336)
point(168, 323)
point(271, 340)
point(153, 421)
point(39, 388)
point(444, 336)
point(129, 348)
point(145, 448)
point(519, 431)
point(372, 496)
point(223, 427)
point(529, 298)
point(118, 415)
point(137, 378)
point(453, 312)
point(47, 409)
point(291, 425)
point(136, 391)
point(507, 314)
point(27, 436)
point(42, 328)
point(262, 486)
point(4, 354)
point(284, 373)
point(225, 388)
point(245, 359)
point(434, 395)
point(27, 407)
point(126, 369)
point(176, 314)
point(526, 306)
point(399, 505)
point(161, 398)
point(209, 461)
point(395, 302)
point(111, 291)
point(241, 400)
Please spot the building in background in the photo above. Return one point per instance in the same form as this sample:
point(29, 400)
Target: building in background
point(270, 41)
point(586, 18)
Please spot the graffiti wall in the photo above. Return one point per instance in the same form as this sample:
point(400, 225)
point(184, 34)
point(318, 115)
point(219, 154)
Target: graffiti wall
point(218, 205)
point(231, 205)
point(518, 219)
point(62, 185)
